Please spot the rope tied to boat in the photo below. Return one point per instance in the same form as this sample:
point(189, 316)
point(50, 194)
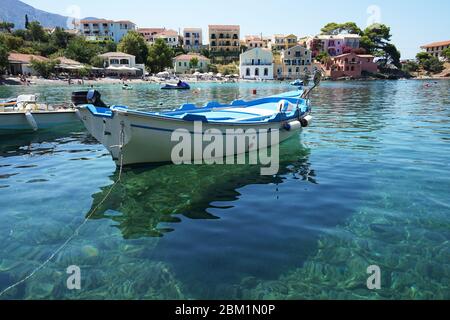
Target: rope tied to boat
point(77, 230)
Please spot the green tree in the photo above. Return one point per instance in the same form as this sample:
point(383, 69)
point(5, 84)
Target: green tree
point(97, 62)
point(160, 56)
point(44, 48)
point(376, 41)
point(6, 26)
point(334, 28)
point(410, 67)
point(134, 43)
point(23, 34)
point(429, 63)
point(205, 53)
point(44, 68)
point(12, 43)
point(84, 72)
point(3, 58)
point(194, 63)
point(37, 32)
point(323, 57)
point(60, 38)
point(446, 54)
point(81, 50)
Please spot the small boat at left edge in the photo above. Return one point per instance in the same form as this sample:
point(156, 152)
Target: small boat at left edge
point(25, 113)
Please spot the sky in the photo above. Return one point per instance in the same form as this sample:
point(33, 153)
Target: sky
point(413, 22)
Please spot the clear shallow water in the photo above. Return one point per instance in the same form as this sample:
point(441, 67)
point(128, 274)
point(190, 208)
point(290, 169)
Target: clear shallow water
point(367, 184)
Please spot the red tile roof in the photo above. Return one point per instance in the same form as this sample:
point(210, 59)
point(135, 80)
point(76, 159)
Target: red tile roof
point(24, 58)
point(437, 44)
point(188, 57)
point(224, 27)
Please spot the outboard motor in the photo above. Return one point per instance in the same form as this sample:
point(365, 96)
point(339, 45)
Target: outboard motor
point(88, 97)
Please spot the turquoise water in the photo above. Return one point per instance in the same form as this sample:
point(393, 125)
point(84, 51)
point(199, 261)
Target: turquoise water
point(367, 184)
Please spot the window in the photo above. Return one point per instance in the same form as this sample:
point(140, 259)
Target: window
point(187, 35)
point(297, 69)
point(185, 64)
point(298, 54)
point(247, 72)
point(179, 64)
point(266, 72)
point(257, 72)
point(124, 61)
point(353, 68)
point(290, 70)
point(114, 61)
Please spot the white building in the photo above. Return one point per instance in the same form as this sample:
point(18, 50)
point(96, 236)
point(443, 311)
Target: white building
point(95, 30)
point(182, 64)
point(256, 64)
point(169, 36)
point(192, 39)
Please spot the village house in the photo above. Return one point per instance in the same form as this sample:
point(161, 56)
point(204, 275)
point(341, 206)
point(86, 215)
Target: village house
point(20, 64)
point(436, 48)
point(101, 29)
point(182, 64)
point(149, 33)
point(350, 65)
point(170, 37)
point(224, 43)
point(282, 42)
point(252, 42)
point(256, 63)
point(295, 63)
point(334, 45)
point(119, 63)
point(192, 39)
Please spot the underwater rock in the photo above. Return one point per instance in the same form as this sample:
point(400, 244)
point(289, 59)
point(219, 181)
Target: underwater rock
point(90, 251)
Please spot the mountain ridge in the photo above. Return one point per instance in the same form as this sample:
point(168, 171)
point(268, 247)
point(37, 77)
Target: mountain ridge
point(14, 11)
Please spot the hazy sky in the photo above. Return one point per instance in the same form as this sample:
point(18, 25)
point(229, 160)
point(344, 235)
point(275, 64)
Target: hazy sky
point(412, 22)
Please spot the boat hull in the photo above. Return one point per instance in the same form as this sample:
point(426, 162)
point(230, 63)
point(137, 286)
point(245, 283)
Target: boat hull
point(153, 139)
point(17, 121)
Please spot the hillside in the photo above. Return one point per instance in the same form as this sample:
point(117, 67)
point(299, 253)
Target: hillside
point(14, 11)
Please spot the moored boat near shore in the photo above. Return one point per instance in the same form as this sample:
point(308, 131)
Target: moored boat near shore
point(136, 137)
point(26, 113)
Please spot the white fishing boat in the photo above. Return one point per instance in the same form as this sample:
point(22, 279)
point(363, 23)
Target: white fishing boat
point(26, 113)
point(137, 137)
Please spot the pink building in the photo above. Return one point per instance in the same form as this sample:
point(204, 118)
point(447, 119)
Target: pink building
point(350, 65)
point(334, 45)
point(149, 33)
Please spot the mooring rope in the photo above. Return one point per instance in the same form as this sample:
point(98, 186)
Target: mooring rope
point(75, 233)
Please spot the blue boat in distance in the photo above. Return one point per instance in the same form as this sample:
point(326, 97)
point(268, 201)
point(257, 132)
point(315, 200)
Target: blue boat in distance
point(181, 85)
point(297, 83)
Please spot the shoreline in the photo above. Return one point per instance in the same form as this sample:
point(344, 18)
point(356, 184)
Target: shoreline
point(15, 81)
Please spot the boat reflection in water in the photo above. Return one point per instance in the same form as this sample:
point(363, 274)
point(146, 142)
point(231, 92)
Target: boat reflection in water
point(146, 201)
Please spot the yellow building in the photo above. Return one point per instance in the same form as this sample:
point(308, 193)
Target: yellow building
point(224, 43)
point(282, 42)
